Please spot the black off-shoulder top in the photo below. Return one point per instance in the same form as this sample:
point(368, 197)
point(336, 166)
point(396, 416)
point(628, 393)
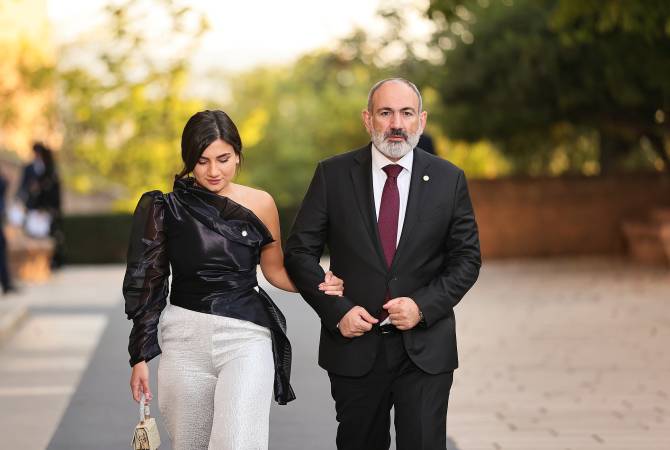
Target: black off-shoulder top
point(213, 245)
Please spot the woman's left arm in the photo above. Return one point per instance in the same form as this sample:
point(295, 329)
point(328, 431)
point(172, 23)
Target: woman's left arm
point(272, 256)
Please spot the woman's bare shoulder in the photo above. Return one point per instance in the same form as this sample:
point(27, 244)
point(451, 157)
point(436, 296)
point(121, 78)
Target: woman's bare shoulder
point(257, 200)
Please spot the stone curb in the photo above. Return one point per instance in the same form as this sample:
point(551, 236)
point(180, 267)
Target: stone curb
point(12, 313)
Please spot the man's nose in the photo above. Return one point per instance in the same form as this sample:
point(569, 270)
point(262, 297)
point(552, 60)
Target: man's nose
point(395, 120)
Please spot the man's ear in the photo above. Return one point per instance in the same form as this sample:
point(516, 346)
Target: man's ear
point(365, 115)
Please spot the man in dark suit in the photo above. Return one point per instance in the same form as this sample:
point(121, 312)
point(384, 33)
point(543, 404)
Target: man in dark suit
point(402, 234)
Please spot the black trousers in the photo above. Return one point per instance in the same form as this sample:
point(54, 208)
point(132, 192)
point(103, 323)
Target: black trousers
point(363, 404)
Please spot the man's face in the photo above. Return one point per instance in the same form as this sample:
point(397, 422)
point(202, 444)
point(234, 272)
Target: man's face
point(394, 122)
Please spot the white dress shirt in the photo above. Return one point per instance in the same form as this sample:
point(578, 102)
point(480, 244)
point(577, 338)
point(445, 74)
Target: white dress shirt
point(379, 179)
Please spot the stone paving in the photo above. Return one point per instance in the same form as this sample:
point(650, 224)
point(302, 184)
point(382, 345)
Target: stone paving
point(568, 354)
point(559, 354)
point(42, 363)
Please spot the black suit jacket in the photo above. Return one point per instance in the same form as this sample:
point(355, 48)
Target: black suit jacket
point(436, 262)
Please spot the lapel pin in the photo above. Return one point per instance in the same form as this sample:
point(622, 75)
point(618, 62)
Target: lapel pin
point(426, 178)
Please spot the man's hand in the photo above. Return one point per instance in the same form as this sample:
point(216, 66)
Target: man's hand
point(356, 322)
point(403, 312)
point(332, 285)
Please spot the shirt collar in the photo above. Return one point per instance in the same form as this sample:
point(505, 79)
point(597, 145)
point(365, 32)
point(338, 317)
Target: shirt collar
point(379, 160)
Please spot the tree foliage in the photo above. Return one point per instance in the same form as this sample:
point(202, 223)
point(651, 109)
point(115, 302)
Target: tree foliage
point(527, 86)
point(123, 110)
point(27, 91)
point(586, 19)
point(557, 84)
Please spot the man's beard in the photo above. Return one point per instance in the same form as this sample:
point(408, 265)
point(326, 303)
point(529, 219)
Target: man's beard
point(395, 150)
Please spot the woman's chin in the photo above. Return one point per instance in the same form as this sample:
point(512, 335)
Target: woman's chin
point(216, 188)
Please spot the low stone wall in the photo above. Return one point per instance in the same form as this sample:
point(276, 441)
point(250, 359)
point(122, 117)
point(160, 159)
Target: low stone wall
point(29, 259)
point(521, 217)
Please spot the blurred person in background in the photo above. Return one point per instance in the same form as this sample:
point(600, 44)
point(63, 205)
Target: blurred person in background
point(39, 191)
point(426, 143)
point(5, 279)
point(223, 340)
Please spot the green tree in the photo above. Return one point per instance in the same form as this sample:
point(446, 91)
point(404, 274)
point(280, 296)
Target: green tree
point(123, 109)
point(555, 92)
point(586, 19)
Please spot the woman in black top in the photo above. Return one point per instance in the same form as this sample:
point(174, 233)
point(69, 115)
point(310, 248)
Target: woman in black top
point(220, 330)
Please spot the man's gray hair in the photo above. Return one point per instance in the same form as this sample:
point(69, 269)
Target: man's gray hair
point(379, 84)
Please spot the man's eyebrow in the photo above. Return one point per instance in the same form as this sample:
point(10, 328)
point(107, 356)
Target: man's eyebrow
point(388, 108)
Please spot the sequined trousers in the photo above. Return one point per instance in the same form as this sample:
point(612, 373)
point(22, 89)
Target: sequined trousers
point(215, 379)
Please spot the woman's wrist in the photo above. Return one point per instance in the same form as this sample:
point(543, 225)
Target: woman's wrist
point(139, 363)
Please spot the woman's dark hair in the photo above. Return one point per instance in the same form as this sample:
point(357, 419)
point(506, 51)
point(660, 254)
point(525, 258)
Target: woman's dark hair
point(46, 156)
point(201, 130)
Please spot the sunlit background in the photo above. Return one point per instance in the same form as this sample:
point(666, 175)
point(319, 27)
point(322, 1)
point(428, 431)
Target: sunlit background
point(109, 84)
point(554, 90)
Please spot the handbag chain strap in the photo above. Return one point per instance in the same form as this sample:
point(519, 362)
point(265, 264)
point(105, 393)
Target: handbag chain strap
point(145, 413)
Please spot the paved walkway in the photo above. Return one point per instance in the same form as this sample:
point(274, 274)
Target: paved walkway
point(568, 354)
point(41, 365)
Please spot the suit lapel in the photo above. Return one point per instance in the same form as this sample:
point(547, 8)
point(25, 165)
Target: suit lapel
point(361, 176)
point(417, 189)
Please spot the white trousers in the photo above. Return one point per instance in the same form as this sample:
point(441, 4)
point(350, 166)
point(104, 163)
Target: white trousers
point(215, 381)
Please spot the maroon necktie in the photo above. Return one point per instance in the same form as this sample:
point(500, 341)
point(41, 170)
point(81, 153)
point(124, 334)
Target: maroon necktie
point(387, 222)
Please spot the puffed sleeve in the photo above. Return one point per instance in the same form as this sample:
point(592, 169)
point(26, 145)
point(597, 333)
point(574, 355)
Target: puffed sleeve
point(145, 285)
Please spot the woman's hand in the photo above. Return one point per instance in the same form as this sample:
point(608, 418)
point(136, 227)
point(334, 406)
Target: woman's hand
point(332, 285)
point(139, 381)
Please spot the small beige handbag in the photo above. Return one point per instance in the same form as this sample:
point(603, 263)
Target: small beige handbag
point(146, 435)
